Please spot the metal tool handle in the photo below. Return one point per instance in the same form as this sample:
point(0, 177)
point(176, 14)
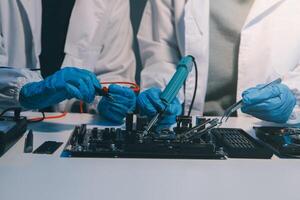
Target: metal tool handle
point(170, 92)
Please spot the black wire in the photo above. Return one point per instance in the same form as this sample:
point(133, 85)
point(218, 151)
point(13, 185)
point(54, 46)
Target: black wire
point(18, 110)
point(10, 109)
point(37, 69)
point(195, 88)
point(4, 67)
point(35, 121)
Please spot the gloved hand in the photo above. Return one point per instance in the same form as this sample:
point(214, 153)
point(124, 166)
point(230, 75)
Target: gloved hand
point(115, 109)
point(66, 83)
point(150, 104)
point(273, 103)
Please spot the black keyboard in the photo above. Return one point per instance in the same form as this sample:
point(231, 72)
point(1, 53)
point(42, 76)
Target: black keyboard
point(238, 144)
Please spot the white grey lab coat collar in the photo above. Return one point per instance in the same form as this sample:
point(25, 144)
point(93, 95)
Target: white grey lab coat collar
point(27, 5)
point(259, 9)
point(198, 15)
point(35, 20)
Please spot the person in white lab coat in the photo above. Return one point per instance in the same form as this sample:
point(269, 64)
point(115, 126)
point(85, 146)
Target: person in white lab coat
point(98, 45)
point(237, 45)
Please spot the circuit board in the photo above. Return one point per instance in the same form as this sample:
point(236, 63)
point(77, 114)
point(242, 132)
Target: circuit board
point(284, 141)
point(184, 141)
point(111, 142)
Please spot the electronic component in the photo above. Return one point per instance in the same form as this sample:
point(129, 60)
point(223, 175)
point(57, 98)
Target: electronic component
point(129, 122)
point(200, 120)
point(28, 145)
point(112, 142)
point(12, 129)
point(282, 140)
point(184, 123)
point(48, 147)
point(203, 141)
point(238, 144)
point(141, 122)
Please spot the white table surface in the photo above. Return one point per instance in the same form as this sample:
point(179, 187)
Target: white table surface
point(51, 177)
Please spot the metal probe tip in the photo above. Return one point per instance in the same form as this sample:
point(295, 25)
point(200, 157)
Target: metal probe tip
point(151, 123)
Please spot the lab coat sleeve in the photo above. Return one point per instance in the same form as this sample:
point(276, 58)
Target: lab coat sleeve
point(3, 54)
point(81, 47)
point(11, 82)
point(117, 59)
point(292, 80)
point(158, 45)
point(103, 41)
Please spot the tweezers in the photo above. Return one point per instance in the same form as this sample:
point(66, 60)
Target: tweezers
point(234, 107)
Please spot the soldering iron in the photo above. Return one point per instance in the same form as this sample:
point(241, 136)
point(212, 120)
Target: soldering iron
point(170, 92)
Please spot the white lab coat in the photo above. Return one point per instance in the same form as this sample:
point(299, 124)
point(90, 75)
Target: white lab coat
point(99, 39)
point(269, 47)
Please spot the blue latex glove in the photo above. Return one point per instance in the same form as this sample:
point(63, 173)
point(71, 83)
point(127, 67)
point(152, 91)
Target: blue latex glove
point(273, 103)
point(65, 84)
point(115, 109)
point(150, 104)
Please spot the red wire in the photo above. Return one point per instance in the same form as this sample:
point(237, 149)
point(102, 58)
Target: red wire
point(49, 117)
point(81, 106)
point(135, 86)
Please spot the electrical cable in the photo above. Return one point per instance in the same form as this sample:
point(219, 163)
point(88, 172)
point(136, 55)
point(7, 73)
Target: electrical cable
point(195, 88)
point(3, 67)
point(18, 110)
point(37, 119)
point(135, 87)
point(10, 109)
point(37, 69)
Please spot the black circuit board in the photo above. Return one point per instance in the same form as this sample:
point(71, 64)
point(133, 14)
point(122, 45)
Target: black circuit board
point(183, 141)
point(111, 142)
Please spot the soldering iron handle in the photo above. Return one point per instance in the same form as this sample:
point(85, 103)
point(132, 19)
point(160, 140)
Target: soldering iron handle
point(170, 92)
point(183, 68)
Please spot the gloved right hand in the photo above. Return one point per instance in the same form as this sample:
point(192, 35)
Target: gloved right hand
point(122, 101)
point(150, 104)
point(274, 103)
point(67, 83)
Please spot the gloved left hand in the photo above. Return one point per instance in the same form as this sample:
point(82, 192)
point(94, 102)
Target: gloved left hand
point(273, 103)
point(115, 109)
point(67, 83)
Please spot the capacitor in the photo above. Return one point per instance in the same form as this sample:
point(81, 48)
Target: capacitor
point(200, 120)
point(112, 134)
point(119, 135)
point(81, 134)
point(141, 122)
point(105, 134)
point(129, 122)
point(95, 132)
